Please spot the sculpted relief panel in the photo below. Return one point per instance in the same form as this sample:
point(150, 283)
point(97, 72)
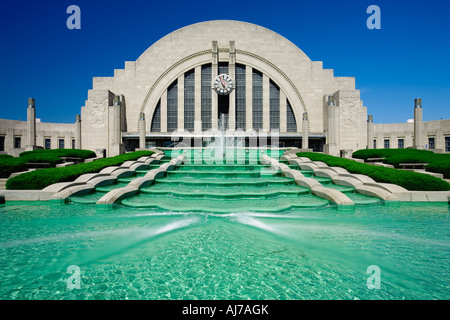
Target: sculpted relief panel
point(350, 110)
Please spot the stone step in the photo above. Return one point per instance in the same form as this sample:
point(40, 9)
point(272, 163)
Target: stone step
point(3, 183)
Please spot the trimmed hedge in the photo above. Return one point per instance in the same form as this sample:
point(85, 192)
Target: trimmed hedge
point(409, 180)
point(9, 164)
point(437, 162)
point(39, 179)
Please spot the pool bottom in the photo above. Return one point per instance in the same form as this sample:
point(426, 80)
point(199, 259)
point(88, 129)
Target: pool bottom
point(317, 253)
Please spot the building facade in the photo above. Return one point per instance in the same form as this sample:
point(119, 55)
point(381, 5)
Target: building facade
point(228, 76)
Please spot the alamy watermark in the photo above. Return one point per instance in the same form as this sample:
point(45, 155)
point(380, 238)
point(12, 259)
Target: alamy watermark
point(374, 21)
point(74, 20)
point(74, 281)
point(374, 280)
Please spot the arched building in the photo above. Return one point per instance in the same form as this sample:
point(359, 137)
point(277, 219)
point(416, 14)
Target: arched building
point(274, 86)
point(223, 74)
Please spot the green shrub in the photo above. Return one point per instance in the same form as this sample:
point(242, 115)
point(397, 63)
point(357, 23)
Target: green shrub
point(39, 179)
point(407, 179)
point(9, 164)
point(437, 162)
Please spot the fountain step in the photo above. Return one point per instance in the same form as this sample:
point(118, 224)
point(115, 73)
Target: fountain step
point(171, 203)
point(222, 195)
point(235, 181)
point(223, 174)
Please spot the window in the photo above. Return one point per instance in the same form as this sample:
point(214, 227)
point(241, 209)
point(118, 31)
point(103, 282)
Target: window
point(61, 143)
point(223, 68)
point(447, 144)
point(386, 143)
point(189, 100)
point(240, 96)
point(73, 143)
point(401, 143)
point(156, 122)
point(431, 143)
point(2, 143)
point(291, 124)
point(17, 142)
point(172, 107)
point(206, 97)
point(47, 143)
point(274, 101)
point(374, 144)
point(257, 99)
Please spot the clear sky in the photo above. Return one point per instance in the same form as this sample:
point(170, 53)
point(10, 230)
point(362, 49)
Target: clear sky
point(409, 57)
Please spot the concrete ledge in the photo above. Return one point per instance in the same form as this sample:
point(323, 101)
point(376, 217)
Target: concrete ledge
point(26, 195)
point(307, 182)
point(57, 187)
point(62, 196)
point(361, 177)
point(88, 176)
point(141, 182)
point(91, 159)
point(308, 166)
point(65, 164)
point(424, 196)
point(294, 174)
point(392, 188)
point(376, 192)
point(321, 164)
point(122, 173)
point(347, 181)
point(139, 166)
point(129, 163)
point(102, 181)
point(109, 170)
point(118, 194)
point(156, 151)
point(339, 170)
point(155, 173)
point(332, 195)
point(325, 173)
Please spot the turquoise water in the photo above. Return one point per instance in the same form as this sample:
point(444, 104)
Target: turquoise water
point(319, 253)
point(198, 236)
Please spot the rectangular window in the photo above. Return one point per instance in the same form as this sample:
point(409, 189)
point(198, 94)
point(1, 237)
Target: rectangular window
point(291, 124)
point(47, 143)
point(156, 122)
point(17, 142)
point(223, 67)
point(431, 143)
point(2, 143)
point(206, 97)
point(172, 107)
point(274, 101)
point(240, 96)
point(257, 99)
point(374, 144)
point(189, 100)
point(401, 143)
point(447, 144)
point(386, 143)
point(73, 143)
point(61, 143)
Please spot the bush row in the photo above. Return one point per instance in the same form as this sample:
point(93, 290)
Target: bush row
point(407, 179)
point(39, 179)
point(437, 162)
point(9, 164)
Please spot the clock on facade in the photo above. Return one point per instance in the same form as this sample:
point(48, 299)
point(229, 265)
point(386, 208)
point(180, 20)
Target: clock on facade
point(223, 84)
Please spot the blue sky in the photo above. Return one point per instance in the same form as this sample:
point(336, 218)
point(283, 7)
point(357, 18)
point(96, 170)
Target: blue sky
point(408, 58)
